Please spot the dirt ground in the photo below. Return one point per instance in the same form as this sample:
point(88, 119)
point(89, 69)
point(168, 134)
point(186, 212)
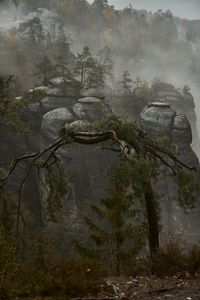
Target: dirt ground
point(177, 287)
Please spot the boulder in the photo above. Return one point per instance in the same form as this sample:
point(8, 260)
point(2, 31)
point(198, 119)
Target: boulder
point(53, 121)
point(182, 132)
point(157, 119)
point(90, 108)
point(182, 137)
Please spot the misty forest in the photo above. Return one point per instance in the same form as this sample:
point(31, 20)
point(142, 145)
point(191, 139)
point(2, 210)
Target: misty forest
point(99, 152)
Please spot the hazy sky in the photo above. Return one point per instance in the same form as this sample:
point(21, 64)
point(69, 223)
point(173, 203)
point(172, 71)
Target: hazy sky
point(189, 9)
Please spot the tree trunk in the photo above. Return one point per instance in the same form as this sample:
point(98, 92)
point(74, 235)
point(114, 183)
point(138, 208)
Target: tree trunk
point(152, 217)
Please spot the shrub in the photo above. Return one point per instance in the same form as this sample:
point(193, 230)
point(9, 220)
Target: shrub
point(169, 260)
point(193, 259)
point(76, 278)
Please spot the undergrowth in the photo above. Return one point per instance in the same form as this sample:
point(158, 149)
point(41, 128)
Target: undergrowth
point(41, 275)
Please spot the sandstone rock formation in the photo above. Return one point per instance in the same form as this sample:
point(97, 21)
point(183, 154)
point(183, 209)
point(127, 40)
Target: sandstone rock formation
point(160, 120)
point(64, 104)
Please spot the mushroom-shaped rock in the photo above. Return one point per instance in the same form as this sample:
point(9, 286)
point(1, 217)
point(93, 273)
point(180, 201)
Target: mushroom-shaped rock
point(89, 100)
point(80, 110)
point(165, 92)
point(42, 89)
point(91, 93)
point(181, 133)
point(182, 137)
point(53, 121)
point(56, 81)
point(90, 109)
point(79, 123)
point(157, 119)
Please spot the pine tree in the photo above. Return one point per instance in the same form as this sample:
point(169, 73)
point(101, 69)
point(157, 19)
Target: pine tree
point(100, 4)
point(33, 29)
point(117, 234)
point(126, 81)
point(45, 69)
point(106, 62)
point(62, 67)
point(10, 109)
point(95, 75)
point(84, 65)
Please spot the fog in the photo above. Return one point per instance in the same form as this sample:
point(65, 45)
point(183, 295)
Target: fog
point(189, 9)
point(148, 45)
point(169, 65)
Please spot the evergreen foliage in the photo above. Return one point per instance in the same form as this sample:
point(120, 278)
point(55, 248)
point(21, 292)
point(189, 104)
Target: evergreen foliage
point(126, 82)
point(45, 69)
point(94, 71)
point(11, 108)
point(117, 233)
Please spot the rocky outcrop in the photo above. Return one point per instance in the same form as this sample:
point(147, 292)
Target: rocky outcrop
point(181, 100)
point(157, 119)
point(160, 120)
point(62, 104)
point(182, 137)
point(84, 166)
point(53, 121)
point(132, 103)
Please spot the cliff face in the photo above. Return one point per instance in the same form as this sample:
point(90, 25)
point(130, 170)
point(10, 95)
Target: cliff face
point(64, 104)
point(181, 100)
point(160, 120)
point(84, 166)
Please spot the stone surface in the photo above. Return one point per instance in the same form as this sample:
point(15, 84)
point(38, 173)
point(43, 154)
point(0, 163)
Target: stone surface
point(182, 132)
point(89, 108)
point(86, 166)
point(157, 119)
point(53, 121)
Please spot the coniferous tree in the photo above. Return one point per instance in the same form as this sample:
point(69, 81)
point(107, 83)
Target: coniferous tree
point(100, 4)
point(33, 30)
point(84, 64)
point(61, 67)
point(105, 60)
point(117, 234)
point(10, 109)
point(45, 69)
point(126, 82)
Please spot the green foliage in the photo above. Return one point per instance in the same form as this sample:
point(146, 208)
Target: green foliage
point(125, 129)
point(193, 259)
point(41, 275)
point(117, 234)
point(33, 29)
point(126, 81)
point(94, 71)
point(45, 69)
point(145, 93)
point(32, 96)
point(58, 188)
point(8, 259)
point(40, 254)
point(7, 215)
point(77, 278)
point(188, 189)
point(11, 108)
point(170, 260)
point(61, 66)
